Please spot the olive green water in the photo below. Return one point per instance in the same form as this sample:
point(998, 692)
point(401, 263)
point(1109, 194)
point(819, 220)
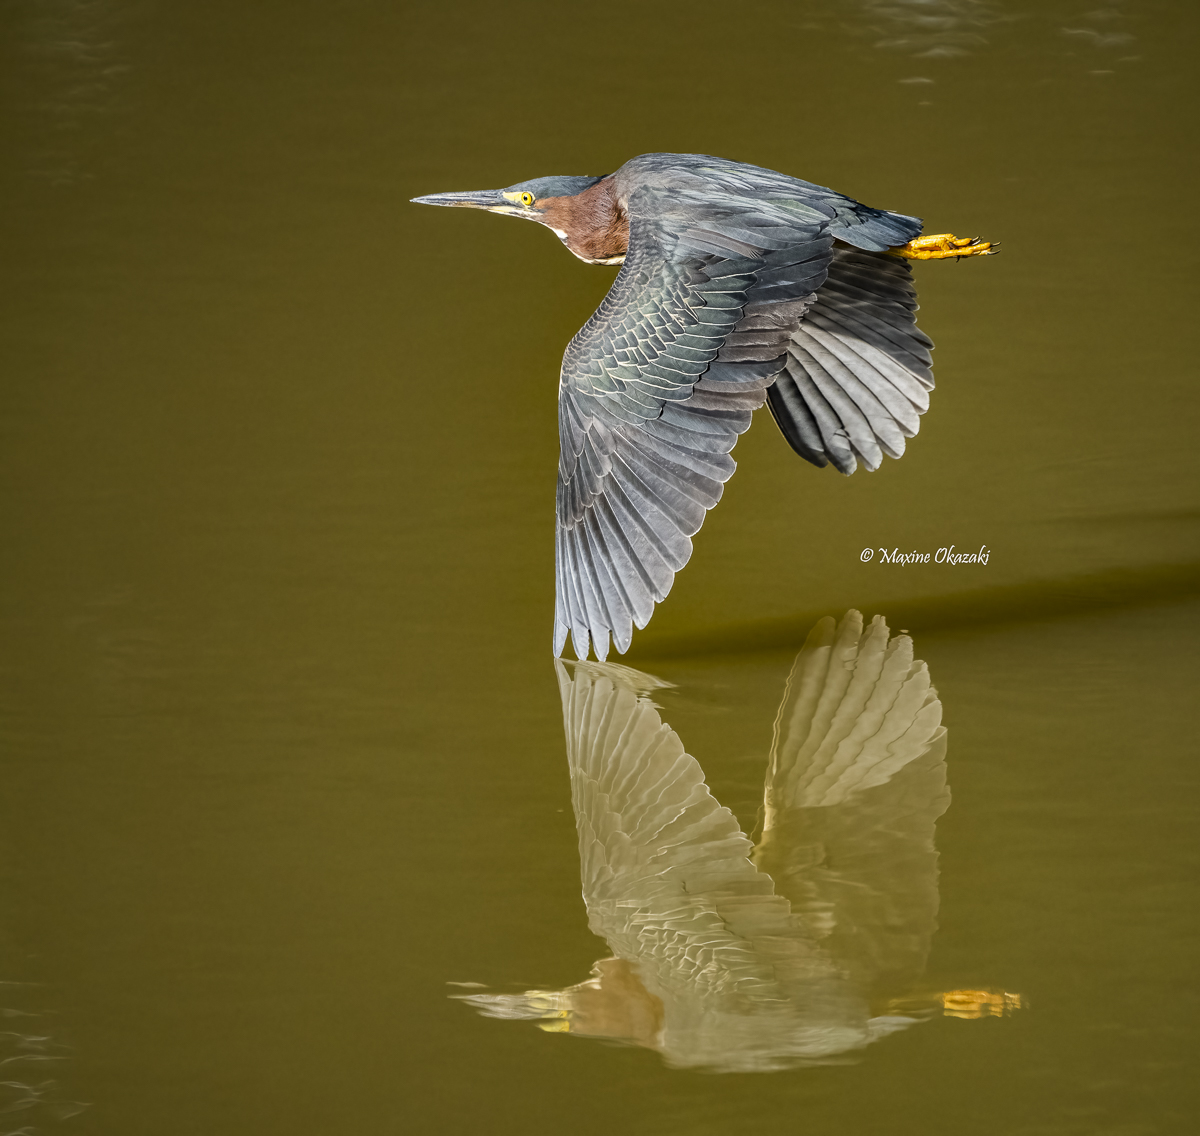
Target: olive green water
point(282, 744)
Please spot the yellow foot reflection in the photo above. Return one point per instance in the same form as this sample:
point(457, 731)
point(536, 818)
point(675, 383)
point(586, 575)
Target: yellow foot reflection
point(968, 1004)
point(979, 1003)
point(943, 246)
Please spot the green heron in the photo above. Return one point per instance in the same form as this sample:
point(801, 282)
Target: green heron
point(738, 284)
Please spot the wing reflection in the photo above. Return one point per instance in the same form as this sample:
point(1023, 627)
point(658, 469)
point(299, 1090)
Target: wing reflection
point(855, 784)
point(731, 956)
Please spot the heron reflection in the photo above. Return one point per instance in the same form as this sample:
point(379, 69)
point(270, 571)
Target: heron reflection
point(733, 955)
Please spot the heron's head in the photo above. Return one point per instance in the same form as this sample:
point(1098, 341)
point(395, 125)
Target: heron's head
point(528, 199)
point(590, 224)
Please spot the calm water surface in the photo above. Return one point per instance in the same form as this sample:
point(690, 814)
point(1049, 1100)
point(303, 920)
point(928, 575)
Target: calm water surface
point(283, 747)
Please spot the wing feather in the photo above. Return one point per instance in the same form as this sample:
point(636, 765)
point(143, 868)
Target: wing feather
point(864, 416)
point(609, 608)
point(859, 345)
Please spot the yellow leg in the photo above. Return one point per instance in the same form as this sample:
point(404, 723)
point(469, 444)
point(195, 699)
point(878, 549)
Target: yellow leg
point(943, 246)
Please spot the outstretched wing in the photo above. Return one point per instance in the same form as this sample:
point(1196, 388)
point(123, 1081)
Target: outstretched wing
point(858, 372)
point(655, 390)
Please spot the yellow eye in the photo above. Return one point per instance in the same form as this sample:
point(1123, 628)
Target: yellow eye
point(527, 199)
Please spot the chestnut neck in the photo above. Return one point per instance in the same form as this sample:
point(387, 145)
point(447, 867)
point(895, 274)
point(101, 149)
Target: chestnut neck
point(591, 224)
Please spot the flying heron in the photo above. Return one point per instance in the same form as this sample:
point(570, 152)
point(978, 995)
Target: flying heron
point(738, 284)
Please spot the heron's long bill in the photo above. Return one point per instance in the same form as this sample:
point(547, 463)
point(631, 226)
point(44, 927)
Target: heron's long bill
point(468, 199)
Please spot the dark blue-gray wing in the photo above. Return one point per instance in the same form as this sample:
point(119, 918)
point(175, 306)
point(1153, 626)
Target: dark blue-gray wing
point(655, 390)
point(858, 369)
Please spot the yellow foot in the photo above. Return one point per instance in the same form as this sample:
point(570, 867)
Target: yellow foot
point(943, 246)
